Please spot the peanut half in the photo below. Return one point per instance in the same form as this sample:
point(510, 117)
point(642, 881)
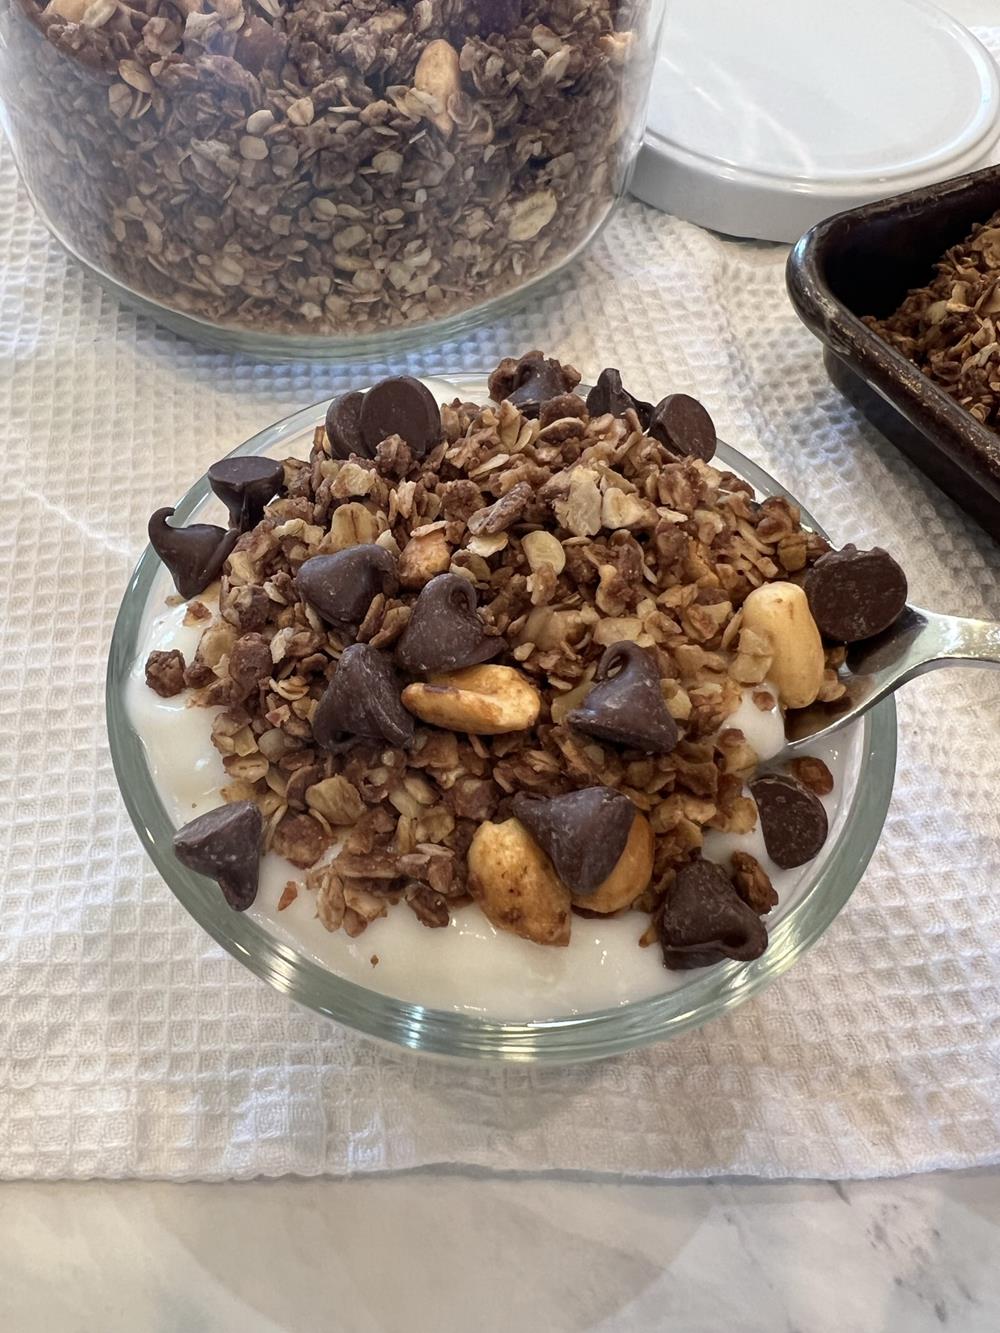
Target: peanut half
point(481, 700)
point(514, 884)
point(630, 876)
point(779, 612)
point(438, 73)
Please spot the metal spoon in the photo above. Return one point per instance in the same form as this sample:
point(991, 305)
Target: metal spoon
point(918, 642)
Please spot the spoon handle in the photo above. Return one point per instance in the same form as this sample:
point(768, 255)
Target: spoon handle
point(923, 641)
point(918, 642)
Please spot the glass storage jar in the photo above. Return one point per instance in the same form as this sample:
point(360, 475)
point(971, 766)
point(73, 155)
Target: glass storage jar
point(324, 177)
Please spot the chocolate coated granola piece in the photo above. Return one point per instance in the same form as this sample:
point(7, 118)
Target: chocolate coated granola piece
point(854, 594)
point(681, 424)
point(704, 920)
point(582, 833)
point(165, 673)
point(194, 555)
point(531, 381)
point(361, 700)
point(400, 406)
point(225, 845)
point(625, 705)
point(342, 586)
point(244, 485)
point(343, 426)
point(444, 631)
point(610, 395)
point(792, 819)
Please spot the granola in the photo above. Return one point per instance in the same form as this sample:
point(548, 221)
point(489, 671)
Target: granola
point(949, 329)
point(326, 169)
point(540, 718)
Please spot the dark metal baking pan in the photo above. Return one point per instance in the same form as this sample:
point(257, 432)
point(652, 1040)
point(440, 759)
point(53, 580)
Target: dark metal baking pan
point(863, 262)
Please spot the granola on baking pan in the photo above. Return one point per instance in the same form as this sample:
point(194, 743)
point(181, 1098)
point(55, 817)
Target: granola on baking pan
point(949, 328)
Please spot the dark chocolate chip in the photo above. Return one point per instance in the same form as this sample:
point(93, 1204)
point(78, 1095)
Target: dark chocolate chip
point(625, 705)
point(681, 424)
point(194, 555)
point(361, 700)
point(244, 485)
point(704, 920)
point(342, 586)
point(532, 381)
point(343, 426)
point(444, 631)
point(582, 833)
point(792, 819)
point(400, 406)
point(854, 594)
point(225, 845)
point(610, 395)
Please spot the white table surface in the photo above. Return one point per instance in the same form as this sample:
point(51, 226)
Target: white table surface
point(449, 1253)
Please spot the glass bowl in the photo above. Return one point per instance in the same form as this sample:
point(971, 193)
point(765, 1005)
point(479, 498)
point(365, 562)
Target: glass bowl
point(701, 995)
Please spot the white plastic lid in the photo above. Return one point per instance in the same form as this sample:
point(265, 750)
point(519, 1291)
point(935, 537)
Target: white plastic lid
point(766, 117)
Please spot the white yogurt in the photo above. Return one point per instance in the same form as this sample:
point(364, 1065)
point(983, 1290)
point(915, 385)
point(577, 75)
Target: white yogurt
point(468, 966)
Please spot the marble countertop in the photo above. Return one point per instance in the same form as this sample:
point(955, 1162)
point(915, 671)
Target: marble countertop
point(432, 1252)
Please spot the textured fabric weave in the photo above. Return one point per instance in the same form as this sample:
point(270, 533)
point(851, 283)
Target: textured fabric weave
point(131, 1045)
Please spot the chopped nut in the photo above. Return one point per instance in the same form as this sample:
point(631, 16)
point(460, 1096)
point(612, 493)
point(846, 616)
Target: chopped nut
point(514, 884)
point(438, 74)
point(483, 700)
point(422, 557)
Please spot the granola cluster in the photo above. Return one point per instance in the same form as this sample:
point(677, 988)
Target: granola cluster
point(950, 328)
point(321, 168)
point(577, 532)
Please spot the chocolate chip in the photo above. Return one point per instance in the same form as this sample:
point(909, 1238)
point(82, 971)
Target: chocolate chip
point(361, 700)
point(792, 819)
point(610, 395)
point(194, 555)
point(343, 426)
point(855, 594)
point(531, 381)
point(244, 485)
point(583, 833)
point(225, 845)
point(681, 424)
point(342, 586)
point(400, 406)
point(625, 705)
point(444, 631)
point(704, 920)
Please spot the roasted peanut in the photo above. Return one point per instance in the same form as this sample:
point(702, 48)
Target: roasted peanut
point(779, 613)
point(514, 884)
point(630, 876)
point(482, 700)
point(422, 557)
point(438, 73)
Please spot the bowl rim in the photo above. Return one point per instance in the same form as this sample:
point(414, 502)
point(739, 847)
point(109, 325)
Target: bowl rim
point(579, 1037)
